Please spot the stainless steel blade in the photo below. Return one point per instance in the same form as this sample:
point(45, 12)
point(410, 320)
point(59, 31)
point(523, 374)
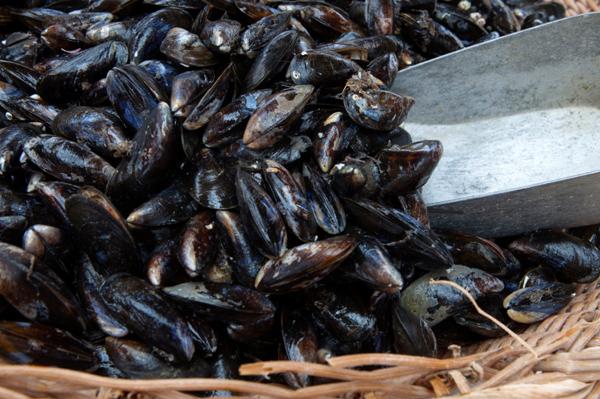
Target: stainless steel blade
point(519, 119)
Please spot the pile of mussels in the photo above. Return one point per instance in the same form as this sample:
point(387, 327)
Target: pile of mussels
point(187, 186)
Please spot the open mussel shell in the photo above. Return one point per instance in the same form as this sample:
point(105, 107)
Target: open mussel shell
point(570, 258)
point(304, 265)
point(434, 303)
point(102, 231)
point(535, 303)
point(144, 312)
point(41, 345)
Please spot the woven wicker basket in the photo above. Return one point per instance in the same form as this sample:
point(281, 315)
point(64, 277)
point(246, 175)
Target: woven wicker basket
point(563, 361)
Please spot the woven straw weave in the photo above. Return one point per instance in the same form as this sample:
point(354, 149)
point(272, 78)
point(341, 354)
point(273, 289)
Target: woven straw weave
point(566, 363)
point(575, 7)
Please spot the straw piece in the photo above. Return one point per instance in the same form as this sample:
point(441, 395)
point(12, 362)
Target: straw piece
point(439, 386)
point(388, 359)
point(529, 391)
point(6, 393)
point(461, 382)
point(181, 384)
point(485, 314)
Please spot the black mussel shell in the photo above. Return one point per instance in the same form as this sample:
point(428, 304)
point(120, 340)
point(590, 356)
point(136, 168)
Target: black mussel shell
point(412, 335)
point(41, 345)
point(80, 72)
point(260, 215)
point(36, 291)
point(304, 265)
point(372, 107)
point(137, 305)
point(138, 360)
point(212, 184)
point(327, 209)
point(132, 91)
point(568, 257)
point(149, 32)
point(246, 259)
point(101, 131)
point(532, 304)
point(171, 206)
point(321, 68)
point(434, 303)
point(197, 246)
point(153, 156)
point(291, 200)
point(187, 49)
point(102, 232)
point(68, 161)
point(274, 118)
point(413, 237)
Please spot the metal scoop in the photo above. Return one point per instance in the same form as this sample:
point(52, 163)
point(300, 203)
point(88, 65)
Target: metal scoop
point(519, 120)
